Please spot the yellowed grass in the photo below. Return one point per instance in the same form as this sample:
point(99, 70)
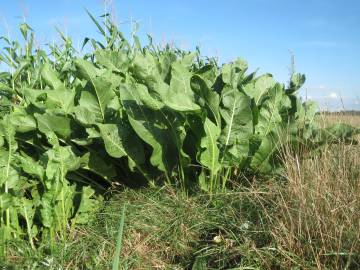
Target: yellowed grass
point(318, 211)
point(351, 119)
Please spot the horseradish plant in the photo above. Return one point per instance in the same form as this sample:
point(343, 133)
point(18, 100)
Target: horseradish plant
point(72, 124)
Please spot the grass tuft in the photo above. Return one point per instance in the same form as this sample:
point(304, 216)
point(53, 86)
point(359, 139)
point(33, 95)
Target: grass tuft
point(318, 208)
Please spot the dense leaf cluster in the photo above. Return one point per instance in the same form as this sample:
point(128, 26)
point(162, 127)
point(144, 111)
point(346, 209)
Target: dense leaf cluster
point(72, 123)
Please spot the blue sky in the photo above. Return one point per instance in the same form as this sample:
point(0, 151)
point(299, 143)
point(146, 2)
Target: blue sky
point(324, 35)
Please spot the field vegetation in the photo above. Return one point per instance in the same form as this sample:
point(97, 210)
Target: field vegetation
point(149, 157)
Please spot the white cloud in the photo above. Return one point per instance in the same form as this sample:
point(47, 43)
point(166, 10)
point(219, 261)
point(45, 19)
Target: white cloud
point(333, 95)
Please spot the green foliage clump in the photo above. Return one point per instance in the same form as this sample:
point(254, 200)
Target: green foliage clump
point(72, 124)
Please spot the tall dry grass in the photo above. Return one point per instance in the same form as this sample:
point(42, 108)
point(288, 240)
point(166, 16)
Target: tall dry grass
point(317, 217)
point(339, 117)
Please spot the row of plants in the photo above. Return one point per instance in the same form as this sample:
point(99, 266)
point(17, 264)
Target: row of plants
point(73, 124)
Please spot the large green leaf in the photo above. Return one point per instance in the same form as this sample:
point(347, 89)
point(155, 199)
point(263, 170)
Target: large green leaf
point(209, 157)
point(99, 93)
point(180, 96)
point(22, 121)
point(209, 74)
point(89, 203)
point(296, 81)
point(112, 60)
point(57, 206)
point(237, 114)
point(60, 161)
point(51, 77)
point(60, 99)
point(27, 208)
point(84, 113)
point(144, 96)
point(120, 141)
point(31, 166)
point(232, 72)
point(206, 98)
point(8, 174)
point(150, 127)
point(50, 123)
point(258, 88)
point(261, 160)
point(145, 67)
point(269, 118)
point(100, 164)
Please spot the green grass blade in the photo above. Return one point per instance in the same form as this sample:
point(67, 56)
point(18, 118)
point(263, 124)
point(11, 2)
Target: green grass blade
point(116, 261)
point(96, 23)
